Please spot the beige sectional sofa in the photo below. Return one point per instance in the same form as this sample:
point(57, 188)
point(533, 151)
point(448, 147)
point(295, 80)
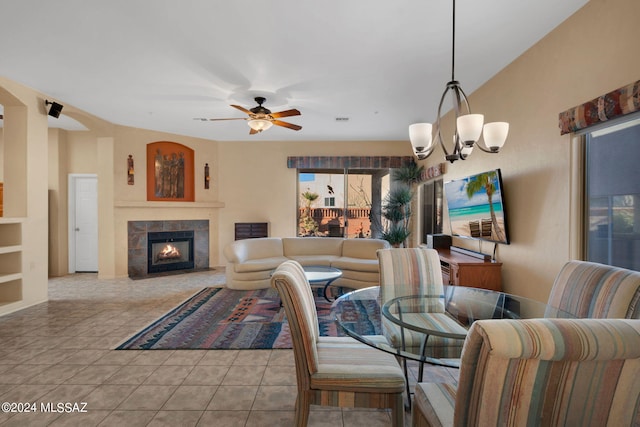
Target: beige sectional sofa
point(251, 261)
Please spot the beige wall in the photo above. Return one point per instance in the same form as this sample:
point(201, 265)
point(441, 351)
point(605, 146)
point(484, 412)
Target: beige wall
point(127, 198)
point(590, 54)
point(58, 224)
point(256, 185)
point(24, 158)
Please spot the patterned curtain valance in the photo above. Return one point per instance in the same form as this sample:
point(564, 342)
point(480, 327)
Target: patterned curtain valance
point(614, 104)
point(348, 162)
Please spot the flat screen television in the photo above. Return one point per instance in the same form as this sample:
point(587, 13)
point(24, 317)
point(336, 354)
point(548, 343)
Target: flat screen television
point(476, 207)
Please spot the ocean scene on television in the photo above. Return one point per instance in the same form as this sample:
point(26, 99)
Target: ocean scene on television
point(476, 208)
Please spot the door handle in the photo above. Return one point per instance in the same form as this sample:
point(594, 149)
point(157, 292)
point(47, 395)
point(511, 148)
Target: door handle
point(77, 229)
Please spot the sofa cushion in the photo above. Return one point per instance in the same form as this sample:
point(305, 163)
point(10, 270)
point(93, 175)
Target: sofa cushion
point(358, 264)
point(259, 264)
point(363, 248)
point(245, 250)
point(358, 282)
point(365, 276)
point(301, 246)
point(314, 259)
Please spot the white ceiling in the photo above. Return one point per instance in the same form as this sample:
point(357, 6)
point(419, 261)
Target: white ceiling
point(158, 64)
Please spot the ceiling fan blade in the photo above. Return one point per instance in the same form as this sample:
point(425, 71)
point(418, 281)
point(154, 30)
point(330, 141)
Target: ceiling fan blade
point(244, 110)
point(253, 131)
point(286, 125)
point(287, 113)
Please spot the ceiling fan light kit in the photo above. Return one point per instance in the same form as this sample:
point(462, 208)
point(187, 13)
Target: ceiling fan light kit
point(468, 127)
point(260, 118)
point(259, 124)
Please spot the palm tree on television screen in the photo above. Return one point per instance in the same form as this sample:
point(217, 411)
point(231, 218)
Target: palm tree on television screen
point(486, 181)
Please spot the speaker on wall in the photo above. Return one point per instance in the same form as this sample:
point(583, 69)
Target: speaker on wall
point(438, 241)
point(55, 109)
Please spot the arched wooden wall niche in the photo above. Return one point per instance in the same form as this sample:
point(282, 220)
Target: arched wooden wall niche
point(170, 172)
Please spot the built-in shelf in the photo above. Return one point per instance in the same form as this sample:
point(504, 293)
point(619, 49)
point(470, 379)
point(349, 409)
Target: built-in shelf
point(181, 205)
point(10, 249)
point(10, 220)
point(4, 278)
point(10, 260)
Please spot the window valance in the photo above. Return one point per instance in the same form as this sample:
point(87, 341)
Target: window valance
point(617, 103)
point(348, 162)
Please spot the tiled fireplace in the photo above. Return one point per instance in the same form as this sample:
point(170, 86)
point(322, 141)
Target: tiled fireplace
point(162, 246)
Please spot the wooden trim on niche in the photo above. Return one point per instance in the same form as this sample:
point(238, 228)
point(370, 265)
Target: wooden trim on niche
point(170, 172)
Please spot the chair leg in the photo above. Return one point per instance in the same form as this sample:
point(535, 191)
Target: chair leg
point(397, 411)
point(406, 381)
point(423, 352)
point(302, 410)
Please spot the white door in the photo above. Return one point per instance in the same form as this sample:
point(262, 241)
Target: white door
point(83, 215)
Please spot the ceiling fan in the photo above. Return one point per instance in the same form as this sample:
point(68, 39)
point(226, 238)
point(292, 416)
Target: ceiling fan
point(261, 118)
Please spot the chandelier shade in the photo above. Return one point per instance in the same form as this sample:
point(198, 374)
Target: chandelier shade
point(469, 128)
point(495, 135)
point(420, 136)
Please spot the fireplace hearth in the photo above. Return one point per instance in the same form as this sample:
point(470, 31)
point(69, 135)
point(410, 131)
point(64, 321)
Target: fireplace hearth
point(169, 251)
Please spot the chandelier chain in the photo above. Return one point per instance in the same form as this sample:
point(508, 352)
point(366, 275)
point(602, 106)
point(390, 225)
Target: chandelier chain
point(453, 43)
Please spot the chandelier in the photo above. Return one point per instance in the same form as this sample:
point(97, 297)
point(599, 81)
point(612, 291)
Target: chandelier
point(468, 127)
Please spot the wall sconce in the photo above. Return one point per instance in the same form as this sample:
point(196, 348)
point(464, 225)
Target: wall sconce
point(55, 109)
point(206, 176)
point(130, 170)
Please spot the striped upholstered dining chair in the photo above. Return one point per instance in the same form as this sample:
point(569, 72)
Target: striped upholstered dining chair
point(591, 290)
point(334, 371)
point(417, 271)
point(540, 372)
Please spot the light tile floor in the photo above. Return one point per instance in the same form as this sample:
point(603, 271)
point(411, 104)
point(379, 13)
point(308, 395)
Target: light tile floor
point(61, 351)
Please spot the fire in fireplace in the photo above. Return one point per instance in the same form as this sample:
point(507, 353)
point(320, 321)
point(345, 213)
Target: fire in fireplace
point(169, 251)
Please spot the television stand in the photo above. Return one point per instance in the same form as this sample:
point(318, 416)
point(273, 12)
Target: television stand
point(466, 269)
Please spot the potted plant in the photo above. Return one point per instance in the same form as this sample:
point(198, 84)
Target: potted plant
point(396, 208)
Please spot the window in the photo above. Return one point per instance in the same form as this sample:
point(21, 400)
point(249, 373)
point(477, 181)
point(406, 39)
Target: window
point(612, 194)
point(341, 202)
point(431, 208)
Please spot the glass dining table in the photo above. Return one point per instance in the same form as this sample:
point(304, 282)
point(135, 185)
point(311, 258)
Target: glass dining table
point(359, 314)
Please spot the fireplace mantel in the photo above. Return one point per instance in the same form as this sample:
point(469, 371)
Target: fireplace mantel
point(181, 205)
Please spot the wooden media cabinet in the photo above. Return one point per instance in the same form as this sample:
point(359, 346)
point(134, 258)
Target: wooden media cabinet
point(463, 269)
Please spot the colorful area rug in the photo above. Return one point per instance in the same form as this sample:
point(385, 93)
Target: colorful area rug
point(221, 318)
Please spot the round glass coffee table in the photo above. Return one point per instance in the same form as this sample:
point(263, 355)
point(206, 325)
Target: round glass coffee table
point(317, 274)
